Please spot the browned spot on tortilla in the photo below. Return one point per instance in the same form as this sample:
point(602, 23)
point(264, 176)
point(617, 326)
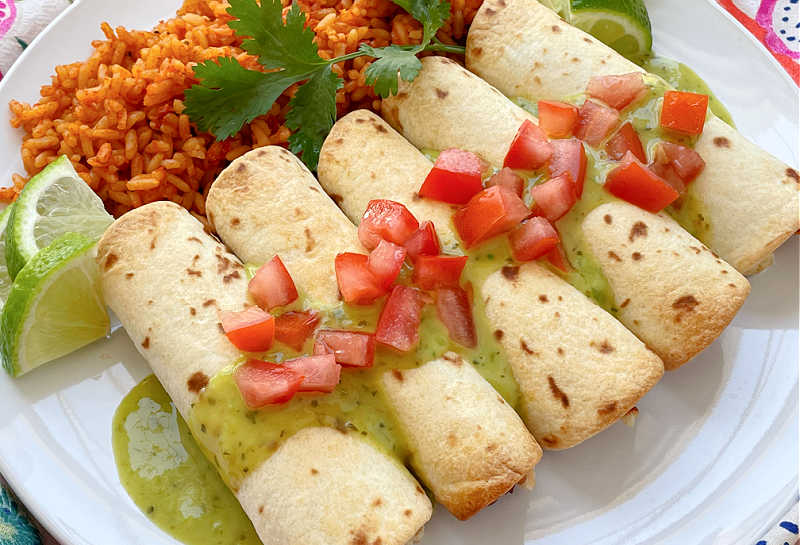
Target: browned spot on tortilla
point(490, 12)
point(397, 374)
point(560, 298)
point(636, 256)
point(557, 393)
point(501, 400)
point(607, 409)
point(209, 302)
point(415, 197)
point(550, 441)
point(420, 490)
point(150, 302)
point(501, 3)
point(543, 299)
point(510, 273)
point(407, 512)
point(312, 188)
point(556, 29)
point(197, 382)
point(498, 334)
point(441, 94)
point(560, 351)
point(335, 197)
point(792, 173)
point(228, 277)
point(587, 40)
point(722, 142)
point(614, 256)
point(261, 507)
point(452, 358)
point(309, 240)
point(477, 51)
point(490, 447)
point(128, 276)
point(602, 61)
point(314, 471)
point(537, 79)
point(608, 219)
point(192, 272)
point(221, 329)
point(194, 239)
point(695, 249)
point(686, 303)
point(575, 59)
point(146, 343)
point(380, 128)
point(377, 502)
point(452, 440)
point(731, 285)
point(192, 311)
point(110, 260)
point(153, 243)
point(639, 229)
point(557, 314)
point(625, 303)
point(360, 120)
point(526, 348)
point(241, 168)
point(235, 222)
point(723, 271)
point(603, 347)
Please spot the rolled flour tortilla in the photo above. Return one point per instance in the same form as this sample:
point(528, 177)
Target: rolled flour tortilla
point(165, 278)
point(268, 183)
point(567, 396)
point(453, 115)
point(750, 198)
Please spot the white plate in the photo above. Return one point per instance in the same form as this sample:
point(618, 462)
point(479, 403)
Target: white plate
point(713, 456)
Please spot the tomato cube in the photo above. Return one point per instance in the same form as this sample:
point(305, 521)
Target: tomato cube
point(385, 262)
point(357, 283)
point(388, 220)
point(595, 122)
point(263, 383)
point(684, 112)
point(491, 212)
point(554, 198)
point(569, 157)
point(293, 328)
point(686, 162)
point(558, 258)
point(507, 178)
point(423, 242)
point(398, 324)
point(455, 177)
point(557, 119)
point(250, 330)
point(532, 239)
point(320, 373)
point(617, 91)
point(455, 312)
point(640, 186)
point(438, 271)
point(272, 286)
point(625, 140)
point(530, 148)
point(351, 348)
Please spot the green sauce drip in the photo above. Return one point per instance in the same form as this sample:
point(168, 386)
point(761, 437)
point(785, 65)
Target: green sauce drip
point(167, 475)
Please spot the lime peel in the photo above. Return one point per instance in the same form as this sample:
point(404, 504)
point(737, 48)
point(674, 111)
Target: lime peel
point(623, 25)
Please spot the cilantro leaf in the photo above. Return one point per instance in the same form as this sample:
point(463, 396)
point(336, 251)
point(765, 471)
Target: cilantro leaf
point(290, 46)
point(389, 61)
point(230, 95)
point(431, 13)
point(312, 113)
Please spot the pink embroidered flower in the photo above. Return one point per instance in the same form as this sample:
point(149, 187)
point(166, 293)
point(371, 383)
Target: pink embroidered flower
point(781, 20)
point(8, 14)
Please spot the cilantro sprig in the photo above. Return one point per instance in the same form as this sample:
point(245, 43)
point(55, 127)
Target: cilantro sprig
point(230, 95)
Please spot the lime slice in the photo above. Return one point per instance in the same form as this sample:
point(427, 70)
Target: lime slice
point(559, 6)
point(54, 202)
point(5, 279)
point(54, 306)
point(623, 25)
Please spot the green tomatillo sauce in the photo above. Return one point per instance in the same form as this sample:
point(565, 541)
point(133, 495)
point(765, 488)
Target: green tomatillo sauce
point(168, 477)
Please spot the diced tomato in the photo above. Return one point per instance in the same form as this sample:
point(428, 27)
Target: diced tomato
point(684, 112)
point(398, 324)
point(595, 122)
point(250, 330)
point(293, 328)
point(558, 258)
point(687, 163)
point(386, 220)
point(351, 348)
point(438, 271)
point(356, 282)
point(272, 286)
point(557, 119)
point(493, 211)
point(569, 157)
point(507, 178)
point(530, 148)
point(263, 383)
point(385, 262)
point(532, 239)
point(668, 174)
point(423, 242)
point(455, 177)
point(455, 312)
point(617, 91)
point(554, 198)
point(626, 140)
point(638, 185)
point(320, 373)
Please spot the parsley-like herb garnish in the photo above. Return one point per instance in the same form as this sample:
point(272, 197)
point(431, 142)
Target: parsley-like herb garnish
point(230, 95)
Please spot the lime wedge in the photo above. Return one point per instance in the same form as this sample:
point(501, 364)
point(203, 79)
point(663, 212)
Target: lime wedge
point(54, 306)
point(623, 25)
point(5, 279)
point(54, 202)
